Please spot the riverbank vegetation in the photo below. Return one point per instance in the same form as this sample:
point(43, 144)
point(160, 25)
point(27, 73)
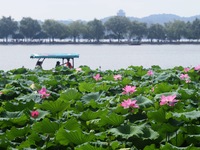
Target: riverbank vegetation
point(116, 29)
point(134, 108)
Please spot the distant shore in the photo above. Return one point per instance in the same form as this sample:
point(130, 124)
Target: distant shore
point(98, 43)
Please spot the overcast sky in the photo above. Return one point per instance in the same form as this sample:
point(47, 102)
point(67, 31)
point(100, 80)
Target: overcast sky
point(90, 9)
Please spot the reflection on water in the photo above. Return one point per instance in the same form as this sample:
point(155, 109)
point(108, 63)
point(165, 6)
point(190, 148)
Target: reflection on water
point(107, 56)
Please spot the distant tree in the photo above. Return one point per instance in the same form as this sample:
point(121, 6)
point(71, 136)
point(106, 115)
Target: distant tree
point(196, 28)
point(156, 31)
point(189, 31)
point(118, 26)
point(29, 27)
point(8, 27)
point(175, 30)
point(96, 29)
point(54, 29)
point(77, 29)
point(137, 29)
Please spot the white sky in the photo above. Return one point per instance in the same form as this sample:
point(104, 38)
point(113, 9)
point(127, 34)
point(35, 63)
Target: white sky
point(99, 9)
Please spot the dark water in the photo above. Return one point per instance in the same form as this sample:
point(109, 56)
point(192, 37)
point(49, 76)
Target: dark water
point(107, 56)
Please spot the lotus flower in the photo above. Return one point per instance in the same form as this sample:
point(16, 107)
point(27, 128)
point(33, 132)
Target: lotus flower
point(129, 89)
point(150, 73)
point(34, 114)
point(78, 69)
point(184, 76)
point(117, 77)
point(129, 104)
point(186, 69)
point(169, 100)
point(97, 77)
point(43, 93)
point(197, 68)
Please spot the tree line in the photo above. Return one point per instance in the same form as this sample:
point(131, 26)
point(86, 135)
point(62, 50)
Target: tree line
point(116, 28)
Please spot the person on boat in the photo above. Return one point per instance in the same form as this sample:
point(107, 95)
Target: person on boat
point(57, 63)
point(68, 64)
point(39, 63)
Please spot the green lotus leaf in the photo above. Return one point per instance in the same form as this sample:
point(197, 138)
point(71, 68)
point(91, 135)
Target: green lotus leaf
point(127, 131)
point(76, 136)
point(187, 116)
point(46, 126)
point(144, 102)
point(70, 94)
point(87, 146)
point(169, 146)
point(157, 115)
point(71, 124)
point(91, 96)
point(149, 133)
point(54, 106)
point(187, 93)
point(86, 87)
point(9, 118)
point(112, 119)
point(151, 147)
point(42, 115)
point(19, 106)
point(89, 115)
point(17, 132)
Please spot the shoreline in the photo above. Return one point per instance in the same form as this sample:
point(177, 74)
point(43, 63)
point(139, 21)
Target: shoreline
point(100, 43)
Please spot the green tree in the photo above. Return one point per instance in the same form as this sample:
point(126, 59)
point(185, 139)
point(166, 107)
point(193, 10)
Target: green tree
point(189, 31)
point(55, 29)
point(8, 27)
point(137, 29)
point(77, 29)
point(156, 31)
point(175, 30)
point(196, 28)
point(96, 29)
point(29, 27)
point(118, 26)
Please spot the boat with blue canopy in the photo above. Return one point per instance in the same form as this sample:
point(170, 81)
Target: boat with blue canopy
point(64, 56)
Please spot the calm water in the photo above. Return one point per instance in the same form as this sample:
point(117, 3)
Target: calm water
point(107, 56)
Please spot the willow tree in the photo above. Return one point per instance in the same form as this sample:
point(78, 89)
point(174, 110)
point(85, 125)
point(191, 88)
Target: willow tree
point(29, 27)
point(8, 27)
point(118, 26)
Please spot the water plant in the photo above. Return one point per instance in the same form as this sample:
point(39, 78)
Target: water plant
point(84, 109)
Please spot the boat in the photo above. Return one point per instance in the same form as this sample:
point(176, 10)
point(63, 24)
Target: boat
point(67, 58)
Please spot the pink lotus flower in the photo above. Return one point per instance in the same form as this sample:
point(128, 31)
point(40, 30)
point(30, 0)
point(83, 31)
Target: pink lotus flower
point(1, 93)
point(169, 100)
point(129, 89)
point(186, 69)
point(184, 76)
point(150, 73)
point(97, 77)
point(117, 77)
point(78, 69)
point(197, 68)
point(34, 114)
point(43, 93)
point(129, 104)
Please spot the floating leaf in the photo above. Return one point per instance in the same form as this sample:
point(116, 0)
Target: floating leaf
point(75, 136)
point(127, 131)
point(46, 126)
point(112, 119)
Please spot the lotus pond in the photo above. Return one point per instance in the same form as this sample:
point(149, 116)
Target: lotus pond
point(84, 109)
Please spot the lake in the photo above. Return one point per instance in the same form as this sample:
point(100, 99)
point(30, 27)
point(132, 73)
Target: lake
point(107, 56)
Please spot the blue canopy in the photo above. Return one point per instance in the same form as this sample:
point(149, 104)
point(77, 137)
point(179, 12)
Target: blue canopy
point(56, 55)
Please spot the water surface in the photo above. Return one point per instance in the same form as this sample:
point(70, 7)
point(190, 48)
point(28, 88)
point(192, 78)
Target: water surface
point(107, 56)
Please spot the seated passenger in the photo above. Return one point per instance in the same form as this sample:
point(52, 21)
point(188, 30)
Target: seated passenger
point(57, 63)
point(68, 64)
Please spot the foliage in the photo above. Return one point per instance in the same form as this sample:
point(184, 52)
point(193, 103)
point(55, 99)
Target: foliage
point(79, 112)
